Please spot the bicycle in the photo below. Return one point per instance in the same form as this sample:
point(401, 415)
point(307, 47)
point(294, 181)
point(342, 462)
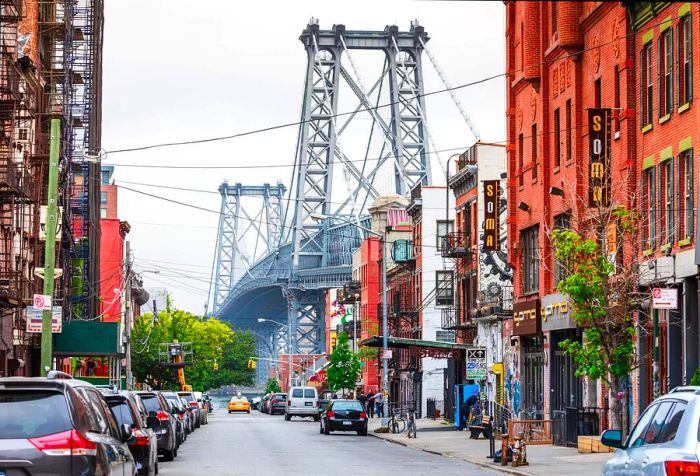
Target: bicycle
point(396, 423)
point(412, 429)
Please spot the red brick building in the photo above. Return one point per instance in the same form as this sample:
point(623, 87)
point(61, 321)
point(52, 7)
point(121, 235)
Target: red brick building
point(562, 59)
point(667, 47)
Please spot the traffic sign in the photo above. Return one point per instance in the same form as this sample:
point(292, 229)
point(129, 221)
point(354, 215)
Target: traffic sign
point(664, 298)
point(42, 302)
point(34, 320)
point(476, 364)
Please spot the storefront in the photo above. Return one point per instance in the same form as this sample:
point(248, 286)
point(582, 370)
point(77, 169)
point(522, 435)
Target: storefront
point(527, 326)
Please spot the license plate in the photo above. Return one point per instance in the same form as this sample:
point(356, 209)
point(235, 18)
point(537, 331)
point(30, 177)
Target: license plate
point(344, 423)
point(308, 404)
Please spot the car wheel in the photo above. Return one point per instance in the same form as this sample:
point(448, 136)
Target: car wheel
point(326, 431)
point(362, 432)
point(317, 418)
point(169, 455)
point(287, 417)
point(229, 412)
point(248, 412)
point(157, 468)
point(320, 428)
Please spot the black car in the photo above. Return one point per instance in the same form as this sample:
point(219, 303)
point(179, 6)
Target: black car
point(182, 424)
point(58, 425)
point(144, 444)
point(166, 430)
point(344, 415)
point(183, 412)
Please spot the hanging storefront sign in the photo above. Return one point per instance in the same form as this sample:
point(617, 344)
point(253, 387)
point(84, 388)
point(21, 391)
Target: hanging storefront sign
point(599, 121)
point(556, 313)
point(527, 319)
point(491, 231)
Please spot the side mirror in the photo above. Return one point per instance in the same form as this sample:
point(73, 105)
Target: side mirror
point(126, 433)
point(174, 411)
point(612, 438)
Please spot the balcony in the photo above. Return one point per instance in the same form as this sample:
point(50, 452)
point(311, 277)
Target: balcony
point(349, 293)
point(9, 177)
point(10, 11)
point(452, 319)
point(497, 300)
point(402, 252)
point(455, 245)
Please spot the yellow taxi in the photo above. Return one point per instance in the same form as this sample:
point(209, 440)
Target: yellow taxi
point(239, 403)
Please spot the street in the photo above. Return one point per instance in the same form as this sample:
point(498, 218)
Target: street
point(259, 444)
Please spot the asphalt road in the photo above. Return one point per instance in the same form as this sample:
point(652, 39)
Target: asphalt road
point(259, 444)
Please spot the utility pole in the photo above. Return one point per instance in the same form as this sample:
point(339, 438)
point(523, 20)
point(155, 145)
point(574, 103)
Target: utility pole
point(128, 317)
point(50, 247)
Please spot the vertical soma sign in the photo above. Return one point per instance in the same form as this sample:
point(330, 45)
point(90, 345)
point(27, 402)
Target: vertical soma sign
point(491, 229)
point(599, 121)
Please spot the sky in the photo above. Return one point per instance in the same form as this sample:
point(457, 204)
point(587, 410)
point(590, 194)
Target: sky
point(177, 71)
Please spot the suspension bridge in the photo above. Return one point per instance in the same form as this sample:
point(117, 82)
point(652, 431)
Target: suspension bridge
point(279, 250)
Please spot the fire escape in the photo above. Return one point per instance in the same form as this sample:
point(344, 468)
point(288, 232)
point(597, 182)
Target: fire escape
point(459, 316)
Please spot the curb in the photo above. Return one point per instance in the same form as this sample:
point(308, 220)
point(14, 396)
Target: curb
point(492, 467)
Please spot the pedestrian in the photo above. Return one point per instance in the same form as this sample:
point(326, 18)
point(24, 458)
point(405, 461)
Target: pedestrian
point(370, 404)
point(363, 400)
point(379, 403)
point(334, 396)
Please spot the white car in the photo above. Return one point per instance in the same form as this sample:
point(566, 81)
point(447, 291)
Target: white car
point(302, 401)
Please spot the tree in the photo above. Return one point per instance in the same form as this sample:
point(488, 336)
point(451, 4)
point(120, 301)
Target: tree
point(602, 262)
point(273, 386)
point(344, 368)
point(219, 353)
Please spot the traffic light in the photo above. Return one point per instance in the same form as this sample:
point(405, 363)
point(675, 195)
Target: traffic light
point(251, 363)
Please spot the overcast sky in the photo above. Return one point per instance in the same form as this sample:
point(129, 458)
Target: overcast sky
point(176, 70)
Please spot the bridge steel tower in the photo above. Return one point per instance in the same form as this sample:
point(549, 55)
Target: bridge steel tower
point(405, 145)
point(238, 219)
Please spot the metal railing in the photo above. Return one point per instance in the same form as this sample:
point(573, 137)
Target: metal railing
point(569, 424)
point(535, 432)
point(501, 415)
point(435, 409)
point(455, 245)
point(497, 300)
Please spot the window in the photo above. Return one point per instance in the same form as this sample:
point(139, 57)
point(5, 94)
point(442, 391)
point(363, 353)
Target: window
point(646, 86)
point(444, 288)
point(598, 93)
point(653, 431)
point(637, 435)
point(521, 159)
point(568, 130)
point(28, 414)
point(103, 198)
point(617, 111)
point(673, 421)
point(467, 224)
point(666, 196)
point(530, 260)
point(309, 393)
point(103, 213)
point(444, 228)
point(686, 206)
point(649, 209)
point(23, 134)
point(105, 176)
point(557, 139)
point(297, 393)
point(534, 152)
point(561, 222)
point(665, 64)
point(685, 61)
point(555, 20)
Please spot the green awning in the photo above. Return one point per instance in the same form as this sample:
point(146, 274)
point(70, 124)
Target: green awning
point(404, 343)
point(87, 338)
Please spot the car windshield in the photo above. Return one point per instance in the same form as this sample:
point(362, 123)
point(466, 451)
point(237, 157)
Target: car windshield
point(187, 397)
point(121, 412)
point(151, 403)
point(174, 401)
point(239, 399)
point(347, 406)
point(280, 396)
point(31, 414)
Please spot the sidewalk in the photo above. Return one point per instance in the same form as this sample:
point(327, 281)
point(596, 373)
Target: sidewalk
point(441, 438)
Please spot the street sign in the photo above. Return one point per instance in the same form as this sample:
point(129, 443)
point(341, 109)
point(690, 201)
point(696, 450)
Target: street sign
point(388, 354)
point(34, 318)
point(476, 364)
point(664, 298)
point(42, 302)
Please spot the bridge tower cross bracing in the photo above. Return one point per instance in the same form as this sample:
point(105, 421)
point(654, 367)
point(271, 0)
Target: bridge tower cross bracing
point(261, 218)
point(405, 146)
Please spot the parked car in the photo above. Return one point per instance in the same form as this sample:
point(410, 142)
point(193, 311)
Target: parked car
point(203, 409)
point(183, 412)
point(265, 403)
point(664, 440)
point(302, 401)
point(206, 398)
point(182, 422)
point(344, 415)
point(238, 403)
point(166, 430)
point(278, 403)
point(144, 444)
point(59, 425)
point(192, 404)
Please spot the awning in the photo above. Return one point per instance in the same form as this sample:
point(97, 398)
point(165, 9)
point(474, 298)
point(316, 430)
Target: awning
point(405, 343)
point(87, 338)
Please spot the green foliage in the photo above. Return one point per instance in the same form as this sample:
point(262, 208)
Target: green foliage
point(368, 353)
point(696, 377)
point(273, 386)
point(344, 367)
point(602, 300)
point(214, 345)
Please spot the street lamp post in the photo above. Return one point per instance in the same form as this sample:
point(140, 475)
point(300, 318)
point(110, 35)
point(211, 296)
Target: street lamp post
point(385, 322)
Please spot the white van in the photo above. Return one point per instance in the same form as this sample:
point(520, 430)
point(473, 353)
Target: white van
point(302, 401)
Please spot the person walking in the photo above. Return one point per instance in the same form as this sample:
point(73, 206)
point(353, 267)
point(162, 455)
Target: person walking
point(370, 404)
point(363, 400)
point(379, 403)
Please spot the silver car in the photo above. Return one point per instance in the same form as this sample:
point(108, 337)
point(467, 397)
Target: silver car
point(665, 440)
